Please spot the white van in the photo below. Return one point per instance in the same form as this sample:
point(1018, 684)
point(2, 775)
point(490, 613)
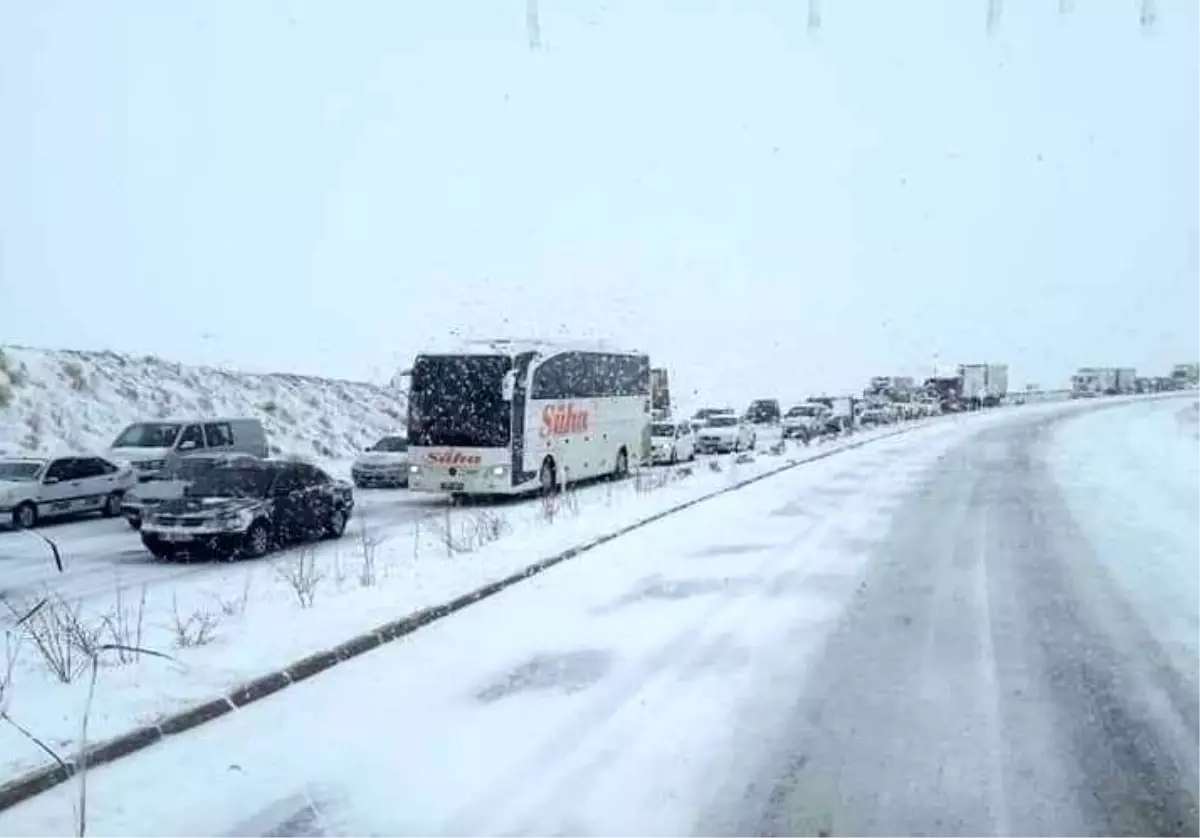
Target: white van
point(153, 448)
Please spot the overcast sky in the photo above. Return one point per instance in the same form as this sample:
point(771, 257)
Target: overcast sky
point(326, 187)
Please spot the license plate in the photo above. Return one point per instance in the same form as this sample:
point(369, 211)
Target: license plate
point(176, 537)
point(452, 487)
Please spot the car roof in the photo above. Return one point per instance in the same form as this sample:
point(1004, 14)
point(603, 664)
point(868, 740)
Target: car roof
point(60, 453)
point(193, 420)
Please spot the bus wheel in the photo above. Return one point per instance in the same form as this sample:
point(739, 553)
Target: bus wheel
point(548, 477)
point(621, 470)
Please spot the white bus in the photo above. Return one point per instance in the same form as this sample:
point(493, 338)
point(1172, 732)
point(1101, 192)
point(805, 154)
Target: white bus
point(506, 417)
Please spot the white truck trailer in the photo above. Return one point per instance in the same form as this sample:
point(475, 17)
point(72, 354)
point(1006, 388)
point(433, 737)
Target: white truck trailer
point(983, 385)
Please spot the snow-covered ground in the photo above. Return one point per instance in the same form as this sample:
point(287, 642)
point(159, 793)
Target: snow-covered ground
point(56, 399)
point(111, 580)
point(1132, 480)
point(461, 728)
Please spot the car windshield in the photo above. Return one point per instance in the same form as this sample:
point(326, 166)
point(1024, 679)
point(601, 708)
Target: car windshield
point(803, 410)
point(233, 482)
point(20, 471)
point(148, 435)
point(659, 429)
point(390, 443)
point(722, 421)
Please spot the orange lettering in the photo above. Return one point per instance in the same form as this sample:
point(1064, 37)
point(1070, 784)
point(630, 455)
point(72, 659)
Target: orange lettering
point(563, 419)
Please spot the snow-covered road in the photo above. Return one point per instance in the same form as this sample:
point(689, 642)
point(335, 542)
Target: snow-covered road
point(101, 555)
point(927, 634)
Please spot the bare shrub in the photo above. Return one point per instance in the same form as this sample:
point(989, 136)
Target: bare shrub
point(715, 465)
point(63, 637)
point(778, 448)
point(340, 573)
point(683, 472)
point(489, 526)
point(451, 532)
point(124, 627)
point(236, 606)
point(6, 394)
point(368, 545)
point(12, 648)
point(301, 575)
point(650, 480)
point(196, 629)
point(744, 458)
point(464, 533)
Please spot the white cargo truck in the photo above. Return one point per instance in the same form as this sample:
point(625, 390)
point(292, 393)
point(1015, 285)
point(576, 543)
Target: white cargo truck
point(983, 385)
point(1089, 382)
point(1126, 380)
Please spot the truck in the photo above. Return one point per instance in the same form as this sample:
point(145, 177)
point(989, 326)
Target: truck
point(660, 394)
point(947, 391)
point(893, 387)
point(1089, 382)
point(1126, 379)
point(983, 385)
point(1185, 375)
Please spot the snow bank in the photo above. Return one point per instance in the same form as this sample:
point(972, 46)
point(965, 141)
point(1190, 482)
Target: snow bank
point(56, 399)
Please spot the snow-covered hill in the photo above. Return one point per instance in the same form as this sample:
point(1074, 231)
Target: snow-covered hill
point(55, 399)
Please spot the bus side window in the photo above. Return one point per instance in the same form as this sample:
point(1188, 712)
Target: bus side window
point(548, 379)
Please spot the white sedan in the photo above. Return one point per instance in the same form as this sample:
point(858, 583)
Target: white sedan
point(671, 442)
point(726, 432)
point(33, 488)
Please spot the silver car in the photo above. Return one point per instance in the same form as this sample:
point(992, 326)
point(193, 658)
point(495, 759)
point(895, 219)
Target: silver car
point(383, 464)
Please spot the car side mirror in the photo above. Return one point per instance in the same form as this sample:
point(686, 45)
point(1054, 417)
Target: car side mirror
point(50, 481)
point(508, 385)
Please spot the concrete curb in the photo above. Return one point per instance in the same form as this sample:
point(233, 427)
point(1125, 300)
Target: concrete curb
point(41, 779)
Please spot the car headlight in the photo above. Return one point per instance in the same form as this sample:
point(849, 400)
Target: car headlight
point(238, 519)
point(414, 469)
point(497, 471)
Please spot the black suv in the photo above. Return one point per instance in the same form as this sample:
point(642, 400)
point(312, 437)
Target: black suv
point(764, 412)
point(248, 508)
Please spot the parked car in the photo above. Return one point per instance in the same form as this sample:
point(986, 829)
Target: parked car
point(35, 488)
point(726, 432)
point(837, 423)
point(700, 418)
point(146, 496)
point(383, 464)
point(671, 442)
point(152, 447)
point(247, 509)
point(804, 421)
point(874, 417)
point(763, 412)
